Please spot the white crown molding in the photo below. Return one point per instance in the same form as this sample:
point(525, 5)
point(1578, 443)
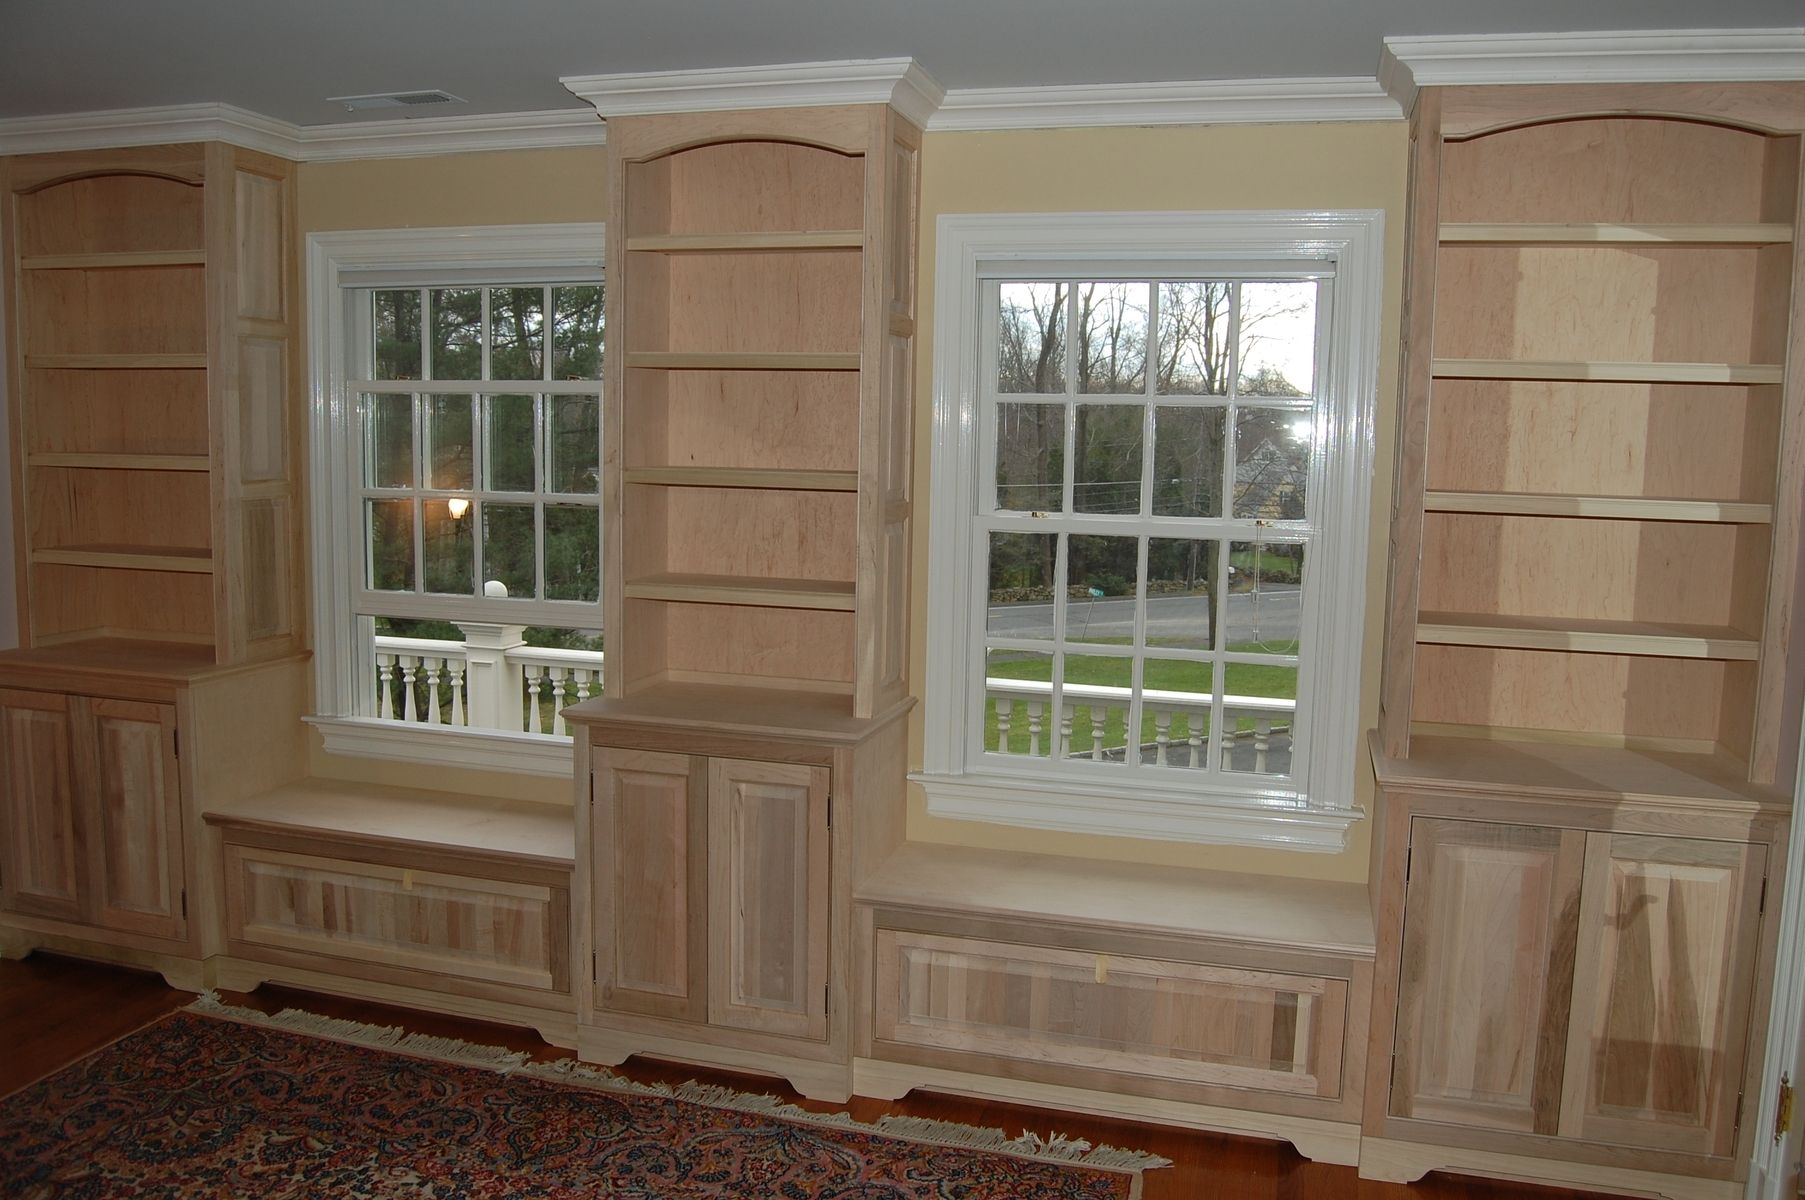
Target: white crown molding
point(1189, 102)
point(899, 82)
point(1632, 56)
point(303, 143)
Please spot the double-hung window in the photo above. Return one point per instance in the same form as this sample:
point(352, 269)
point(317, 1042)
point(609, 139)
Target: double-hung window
point(1149, 522)
point(457, 427)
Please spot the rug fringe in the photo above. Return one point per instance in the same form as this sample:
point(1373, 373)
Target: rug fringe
point(1051, 1147)
point(358, 1033)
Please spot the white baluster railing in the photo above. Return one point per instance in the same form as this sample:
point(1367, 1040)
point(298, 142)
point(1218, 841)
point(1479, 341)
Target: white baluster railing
point(518, 688)
point(1179, 722)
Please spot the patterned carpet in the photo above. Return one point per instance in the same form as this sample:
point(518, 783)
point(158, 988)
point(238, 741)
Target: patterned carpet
point(202, 1105)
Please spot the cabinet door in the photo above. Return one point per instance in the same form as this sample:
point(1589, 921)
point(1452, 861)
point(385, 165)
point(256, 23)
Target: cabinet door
point(131, 814)
point(650, 871)
point(40, 868)
point(1661, 993)
point(768, 897)
point(1491, 914)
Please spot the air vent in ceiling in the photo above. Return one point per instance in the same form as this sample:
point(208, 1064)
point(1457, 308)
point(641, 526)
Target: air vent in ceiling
point(394, 100)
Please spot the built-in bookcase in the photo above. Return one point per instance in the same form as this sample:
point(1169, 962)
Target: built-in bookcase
point(762, 316)
point(151, 308)
point(1601, 478)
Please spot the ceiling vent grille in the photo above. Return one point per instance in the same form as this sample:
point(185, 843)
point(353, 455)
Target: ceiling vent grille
point(394, 100)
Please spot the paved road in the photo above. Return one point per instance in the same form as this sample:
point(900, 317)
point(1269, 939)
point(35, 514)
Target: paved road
point(1275, 621)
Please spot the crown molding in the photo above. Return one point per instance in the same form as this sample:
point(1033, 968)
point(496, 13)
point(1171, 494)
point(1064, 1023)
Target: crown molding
point(899, 82)
point(403, 138)
point(1634, 56)
point(1186, 102)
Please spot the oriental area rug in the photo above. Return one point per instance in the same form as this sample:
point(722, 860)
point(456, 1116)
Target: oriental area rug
point(218, 1102)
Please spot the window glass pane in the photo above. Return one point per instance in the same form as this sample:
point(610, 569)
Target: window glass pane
point(1272, 463)
point(1192, 358)
point(1031, 338)
point(391, 526)
point(388, 441)
point(1265, 598)
point(1030, 457)
point(516, 333)
point(511, 450)
point(1018, 691)
point(1022, 567)
point(457, 333)
point(573, 552)
point(1112, 337)
point(450, 449)
point(1258, 717)
point(1181, 591)
point(1101, 687)
point(1187, 461)
point(1278, 339)
point(508, 547)
point(577, 323)
point(1175, 712)
point(397, 324)
point(1106, 455)
point(576, 434)
point(1100, 577)
point(449, 547)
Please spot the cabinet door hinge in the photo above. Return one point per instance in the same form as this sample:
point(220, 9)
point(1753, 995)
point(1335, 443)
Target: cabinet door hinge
point(595, 970)
point(1783, 1110)
point(1408, 852)
point(184, 904)
point(1761, 904)
point(1737, 1123)
point(175, 738)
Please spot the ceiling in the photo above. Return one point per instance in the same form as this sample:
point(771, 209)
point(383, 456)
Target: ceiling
point(284, 59)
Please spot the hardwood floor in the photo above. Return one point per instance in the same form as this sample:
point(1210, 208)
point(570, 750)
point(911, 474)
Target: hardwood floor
point(55, 1010)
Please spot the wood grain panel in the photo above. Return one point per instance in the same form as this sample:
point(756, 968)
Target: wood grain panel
point(1662, 988)
point(805, 300)
point(131, 799)
point(759, 185)
point(103, 213)
point(144, 310)
point(1166, 1019)
point(41, 861)
point(756, 645)
point(768, 897)
point(126, 412)
point(261, 204)
point(650, 864)
point(773, 535)
point(1487, 961)
point(804, 421)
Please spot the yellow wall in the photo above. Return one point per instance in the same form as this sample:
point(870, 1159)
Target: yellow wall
point(1221, 167)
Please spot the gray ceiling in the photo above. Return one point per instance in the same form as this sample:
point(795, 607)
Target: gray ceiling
point(284, 59)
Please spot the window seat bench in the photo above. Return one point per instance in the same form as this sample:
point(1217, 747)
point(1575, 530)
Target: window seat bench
point(1207, 999)
point(440, 901)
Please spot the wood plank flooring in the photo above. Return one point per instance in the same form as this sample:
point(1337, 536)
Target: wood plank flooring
point(55, 1010)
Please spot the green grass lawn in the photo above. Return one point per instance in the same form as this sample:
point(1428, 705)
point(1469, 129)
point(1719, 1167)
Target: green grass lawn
point(1159, 674)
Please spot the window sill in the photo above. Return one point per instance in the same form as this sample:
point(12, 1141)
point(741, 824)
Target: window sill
point(446, 746)
point(1080, 808)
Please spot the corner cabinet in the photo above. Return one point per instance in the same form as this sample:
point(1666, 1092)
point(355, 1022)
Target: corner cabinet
point(715, 874)
point(1590, 709)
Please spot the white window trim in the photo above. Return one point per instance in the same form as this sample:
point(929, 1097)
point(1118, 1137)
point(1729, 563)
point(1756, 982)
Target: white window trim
point(973, 246)
point(332, 258)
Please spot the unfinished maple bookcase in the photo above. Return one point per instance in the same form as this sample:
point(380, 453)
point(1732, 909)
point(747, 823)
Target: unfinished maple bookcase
point(1590, 705)
point(151, 306)
point(761, 294)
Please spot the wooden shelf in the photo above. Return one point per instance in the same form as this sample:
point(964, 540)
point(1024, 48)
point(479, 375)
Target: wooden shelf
point(1634, 508)
point(739, 709)
point(826, 594)
point(187, 559)
point(114, 362)
point(704, 243)
point(1606, 372)
point(1585, 636)
point(1569, 771)
point(1602, 233)
point(746, 477)
point(122, 462)
point(692, 360)
point(114, 260)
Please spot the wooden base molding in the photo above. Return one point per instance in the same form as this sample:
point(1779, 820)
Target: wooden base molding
point(1319, 1141)
point(826, 1081)
point(1406, 1162)
point(187, 974)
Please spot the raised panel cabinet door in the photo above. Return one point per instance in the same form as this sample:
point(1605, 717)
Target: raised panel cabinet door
point(40, 864)
point(650, 847)
point(126, 777)
point(768, 897)
point(1490, 919)
point(1668, 935)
